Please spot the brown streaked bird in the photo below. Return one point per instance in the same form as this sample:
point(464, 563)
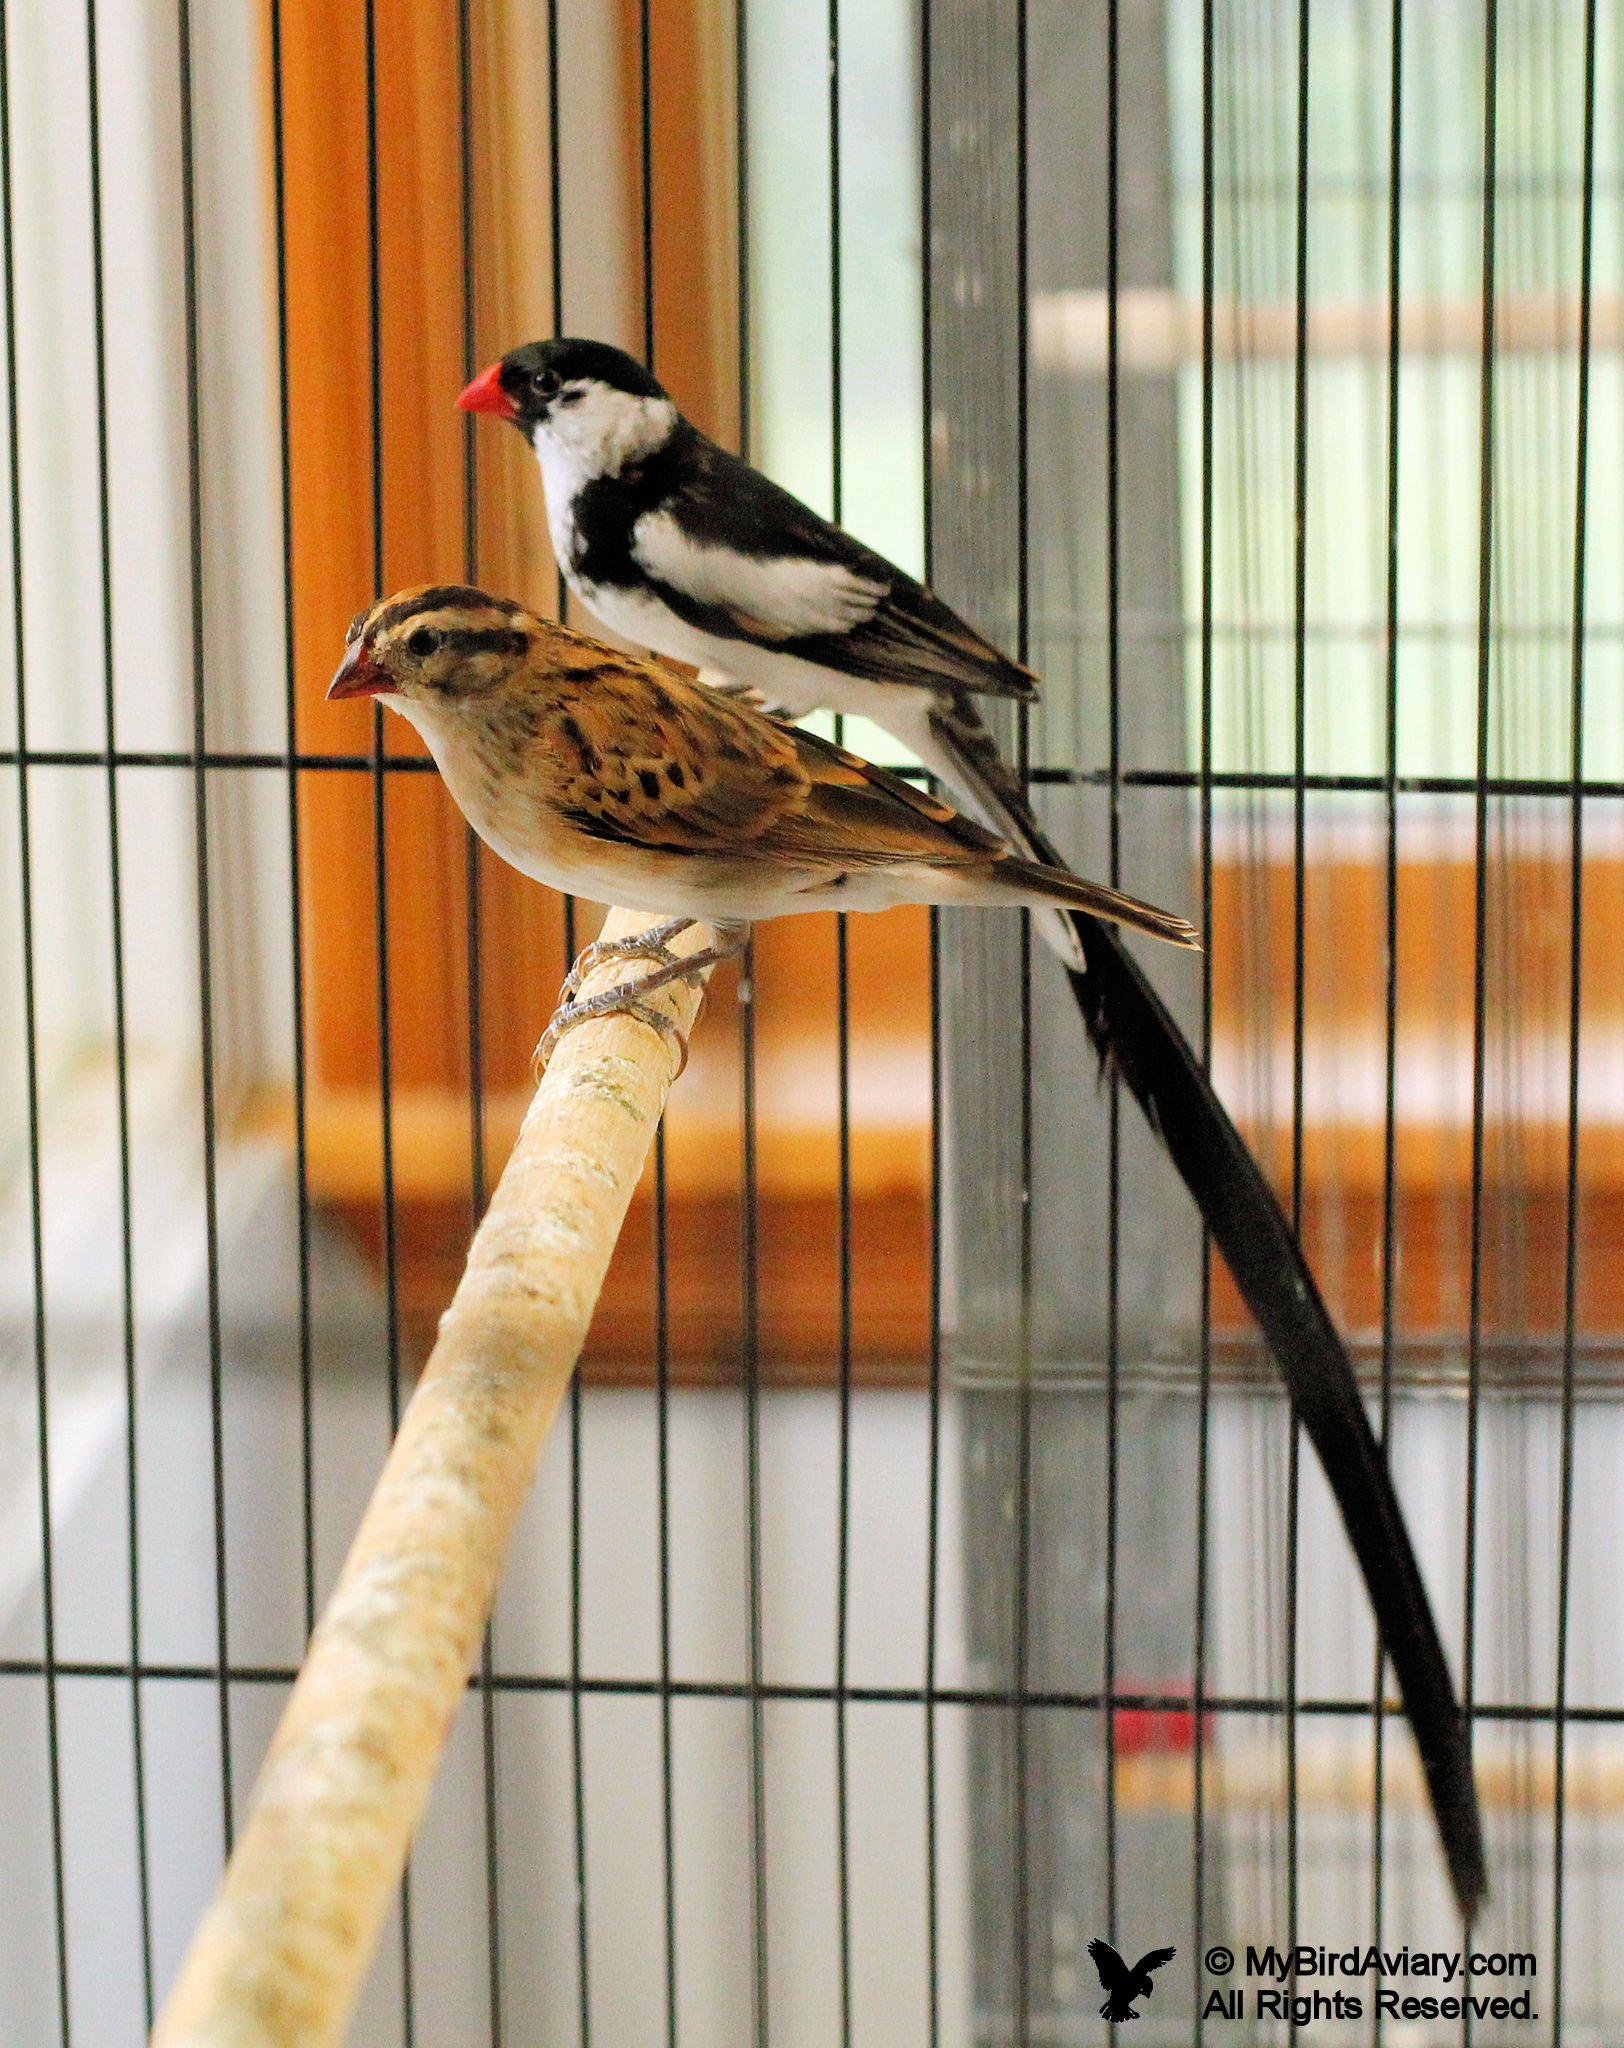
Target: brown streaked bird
point(628, 781)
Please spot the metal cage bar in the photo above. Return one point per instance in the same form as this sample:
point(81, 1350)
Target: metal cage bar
point(1130, 757)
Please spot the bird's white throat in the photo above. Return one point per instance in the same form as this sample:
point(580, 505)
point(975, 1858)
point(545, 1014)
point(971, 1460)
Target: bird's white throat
point(597, 434)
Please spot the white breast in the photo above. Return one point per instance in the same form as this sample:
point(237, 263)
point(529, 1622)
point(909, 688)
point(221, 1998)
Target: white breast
point(562, 475)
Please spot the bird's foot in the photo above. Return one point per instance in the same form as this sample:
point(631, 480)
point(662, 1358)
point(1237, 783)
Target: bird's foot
point(653, 943)
point(628, 998)
point(740, 693)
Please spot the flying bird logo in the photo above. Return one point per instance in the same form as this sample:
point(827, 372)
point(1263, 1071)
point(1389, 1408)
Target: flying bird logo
point(1122, 1984)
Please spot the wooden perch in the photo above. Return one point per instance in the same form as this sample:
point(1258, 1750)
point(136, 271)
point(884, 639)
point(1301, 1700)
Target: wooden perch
point(278, 1959)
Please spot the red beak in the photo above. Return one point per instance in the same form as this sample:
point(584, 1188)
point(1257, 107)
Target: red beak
point(485, 394)
point(359, 675)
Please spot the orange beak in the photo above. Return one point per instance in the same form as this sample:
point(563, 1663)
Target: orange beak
point(485, 394)
point(358, 676)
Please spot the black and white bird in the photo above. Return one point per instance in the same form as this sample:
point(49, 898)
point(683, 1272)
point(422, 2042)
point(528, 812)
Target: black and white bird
point(676, 543)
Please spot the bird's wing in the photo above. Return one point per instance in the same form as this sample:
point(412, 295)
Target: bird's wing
point(1112, 1969)
point(1153, 1959)
point(1136, 1036)
point(865, 813)
point(739, 557)
point(640, 754)
point(857, 817)
point(770, 598)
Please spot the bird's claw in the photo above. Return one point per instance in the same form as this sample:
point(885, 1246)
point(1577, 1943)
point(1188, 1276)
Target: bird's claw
point(613, 1001)
point(650, 944)
point(626, 999)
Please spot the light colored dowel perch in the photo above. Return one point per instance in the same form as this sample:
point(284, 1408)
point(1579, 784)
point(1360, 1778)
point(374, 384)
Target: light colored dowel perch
point(278, 1959)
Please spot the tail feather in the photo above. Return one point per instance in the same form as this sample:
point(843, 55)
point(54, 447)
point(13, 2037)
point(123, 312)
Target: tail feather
point(1038, 883)
point(1136, 1036)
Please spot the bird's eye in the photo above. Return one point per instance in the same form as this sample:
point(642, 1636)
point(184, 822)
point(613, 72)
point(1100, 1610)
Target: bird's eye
point(423, 642)
point(544, 383)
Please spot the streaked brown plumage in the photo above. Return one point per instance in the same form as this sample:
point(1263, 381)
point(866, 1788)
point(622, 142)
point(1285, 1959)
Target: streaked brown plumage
point(628, 781)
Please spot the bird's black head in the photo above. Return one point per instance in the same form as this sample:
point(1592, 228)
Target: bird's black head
point(538, 383)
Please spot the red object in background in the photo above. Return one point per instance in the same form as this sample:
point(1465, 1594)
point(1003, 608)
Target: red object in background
point(1166, 1731)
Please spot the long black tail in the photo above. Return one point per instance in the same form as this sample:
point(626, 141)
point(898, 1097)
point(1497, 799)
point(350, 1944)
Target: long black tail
point(1135, 1035)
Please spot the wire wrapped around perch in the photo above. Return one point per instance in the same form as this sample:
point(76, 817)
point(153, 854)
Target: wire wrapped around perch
point(278, 1959)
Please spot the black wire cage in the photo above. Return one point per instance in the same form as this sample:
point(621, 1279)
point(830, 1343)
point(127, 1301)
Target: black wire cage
point(1252, 371)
